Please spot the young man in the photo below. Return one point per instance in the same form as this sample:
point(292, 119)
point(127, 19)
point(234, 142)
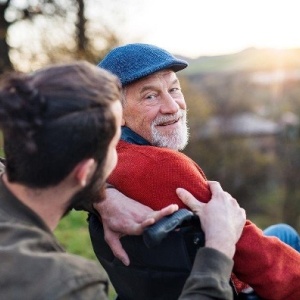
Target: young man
point(60, 126)
point(154, 121)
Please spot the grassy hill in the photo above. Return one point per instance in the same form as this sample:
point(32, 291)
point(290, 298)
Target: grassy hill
point(250, 59)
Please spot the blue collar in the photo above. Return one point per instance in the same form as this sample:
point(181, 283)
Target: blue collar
point(131, 137)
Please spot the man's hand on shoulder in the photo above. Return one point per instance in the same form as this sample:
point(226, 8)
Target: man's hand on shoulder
point(222, 219)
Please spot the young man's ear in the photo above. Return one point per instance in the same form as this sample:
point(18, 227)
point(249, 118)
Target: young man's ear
point(85, 170)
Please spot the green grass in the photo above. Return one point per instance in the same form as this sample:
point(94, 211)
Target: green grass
point(72, 233)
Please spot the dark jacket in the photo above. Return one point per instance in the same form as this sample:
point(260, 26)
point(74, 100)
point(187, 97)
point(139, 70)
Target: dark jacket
point(33, 264)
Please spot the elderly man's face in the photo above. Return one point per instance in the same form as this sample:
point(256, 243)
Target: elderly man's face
point(155, 109)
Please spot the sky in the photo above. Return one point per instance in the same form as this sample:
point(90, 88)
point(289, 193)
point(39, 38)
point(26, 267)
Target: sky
point(213, 27)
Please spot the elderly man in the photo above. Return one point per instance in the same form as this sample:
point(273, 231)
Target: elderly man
point(150, 169)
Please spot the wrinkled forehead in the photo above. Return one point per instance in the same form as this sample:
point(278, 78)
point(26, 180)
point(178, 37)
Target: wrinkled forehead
point(163, 75)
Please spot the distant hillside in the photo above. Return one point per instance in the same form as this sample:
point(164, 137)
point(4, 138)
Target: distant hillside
point(250, 59)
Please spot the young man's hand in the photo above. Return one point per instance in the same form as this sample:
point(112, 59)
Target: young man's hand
point(222, 219)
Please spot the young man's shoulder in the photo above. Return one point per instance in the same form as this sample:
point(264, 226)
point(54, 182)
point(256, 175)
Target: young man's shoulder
point(39, 266)
point(72, 276)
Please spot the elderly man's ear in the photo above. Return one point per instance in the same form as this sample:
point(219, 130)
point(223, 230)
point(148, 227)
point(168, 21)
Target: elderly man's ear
point(84, 171)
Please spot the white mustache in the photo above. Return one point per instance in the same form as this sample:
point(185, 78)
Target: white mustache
point(168, 118)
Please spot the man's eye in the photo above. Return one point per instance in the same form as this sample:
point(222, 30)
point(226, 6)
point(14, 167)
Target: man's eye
point(175, 90)
point(151, 97)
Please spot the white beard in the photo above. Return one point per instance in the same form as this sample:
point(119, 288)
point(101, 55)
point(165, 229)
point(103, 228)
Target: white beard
point(177, 139)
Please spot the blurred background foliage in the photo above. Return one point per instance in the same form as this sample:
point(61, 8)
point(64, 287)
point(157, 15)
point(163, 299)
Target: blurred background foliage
point(243, 107)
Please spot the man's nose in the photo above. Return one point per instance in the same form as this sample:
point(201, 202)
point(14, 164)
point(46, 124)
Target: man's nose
point(169, 105)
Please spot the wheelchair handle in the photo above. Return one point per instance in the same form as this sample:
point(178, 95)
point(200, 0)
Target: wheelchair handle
point(154, 234)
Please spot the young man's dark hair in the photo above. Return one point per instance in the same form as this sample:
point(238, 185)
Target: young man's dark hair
point(43, 114)
point(53, 118)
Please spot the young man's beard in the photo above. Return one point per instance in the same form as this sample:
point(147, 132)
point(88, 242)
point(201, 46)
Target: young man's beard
point(94, 192)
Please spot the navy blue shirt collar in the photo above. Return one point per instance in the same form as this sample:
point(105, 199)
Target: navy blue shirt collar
point(130, 136)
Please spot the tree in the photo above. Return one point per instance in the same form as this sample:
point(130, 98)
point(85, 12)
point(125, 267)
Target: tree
point(5, 63)
point(36, 33)
point(13, 12)
point(199, 107)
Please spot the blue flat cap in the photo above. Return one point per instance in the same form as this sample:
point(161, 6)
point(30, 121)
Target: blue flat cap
point(134, 61)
